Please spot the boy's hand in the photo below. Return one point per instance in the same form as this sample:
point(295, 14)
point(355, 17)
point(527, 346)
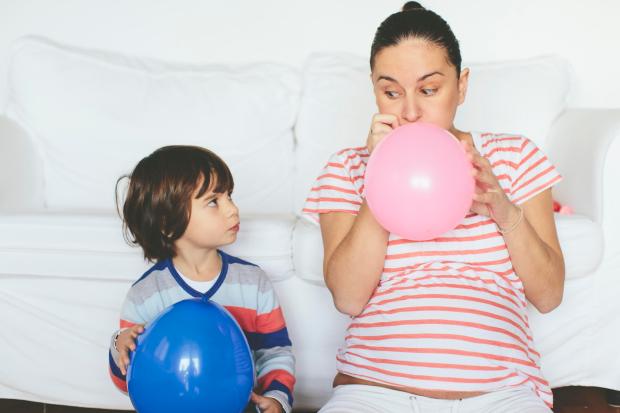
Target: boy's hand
point(266, 404)
point(126, 342)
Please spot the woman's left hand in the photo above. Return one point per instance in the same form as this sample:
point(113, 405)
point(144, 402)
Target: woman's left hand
point(489, 199)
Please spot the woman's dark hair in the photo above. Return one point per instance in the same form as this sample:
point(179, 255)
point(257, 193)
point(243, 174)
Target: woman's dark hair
point(158, 203)
point(414, 21)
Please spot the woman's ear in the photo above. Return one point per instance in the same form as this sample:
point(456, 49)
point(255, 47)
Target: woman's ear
point(463, 80)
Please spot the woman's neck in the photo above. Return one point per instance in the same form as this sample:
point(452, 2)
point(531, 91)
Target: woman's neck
point(462, 136)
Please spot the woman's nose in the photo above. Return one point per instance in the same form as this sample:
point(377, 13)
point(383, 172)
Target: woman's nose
point(411, 111)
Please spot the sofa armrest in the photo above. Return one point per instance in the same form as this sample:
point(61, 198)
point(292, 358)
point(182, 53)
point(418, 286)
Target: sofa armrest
point(580, 145)
point(21, 172)
point(585, 146)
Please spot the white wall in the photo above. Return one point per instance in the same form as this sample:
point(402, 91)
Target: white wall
point(584, 32)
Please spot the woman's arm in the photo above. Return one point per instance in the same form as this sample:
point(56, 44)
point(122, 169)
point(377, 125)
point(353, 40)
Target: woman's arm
point(531, 238)
point(354, 253)
point(536, 254)
point(354, 246)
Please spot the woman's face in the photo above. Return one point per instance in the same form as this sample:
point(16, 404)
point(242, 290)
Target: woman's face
point(415, 81)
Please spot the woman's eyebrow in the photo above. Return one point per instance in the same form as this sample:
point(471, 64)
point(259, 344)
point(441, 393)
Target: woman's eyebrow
point(429, 75)
point(391, 79)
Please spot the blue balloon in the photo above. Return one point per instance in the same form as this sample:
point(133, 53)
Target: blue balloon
point(193, 358)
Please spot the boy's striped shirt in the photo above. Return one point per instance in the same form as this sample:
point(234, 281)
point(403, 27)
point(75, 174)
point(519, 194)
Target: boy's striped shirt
point(246, 292)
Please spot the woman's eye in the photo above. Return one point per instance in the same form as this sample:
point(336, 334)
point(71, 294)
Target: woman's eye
point(429, 91)
point(212, 203)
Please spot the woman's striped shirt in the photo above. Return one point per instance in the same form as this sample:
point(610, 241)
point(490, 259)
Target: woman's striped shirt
point(449, 313)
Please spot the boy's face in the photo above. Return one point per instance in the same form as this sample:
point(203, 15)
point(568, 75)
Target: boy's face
point(213, 222)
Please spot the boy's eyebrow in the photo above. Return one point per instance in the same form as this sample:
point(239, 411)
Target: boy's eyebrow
point(209, 196)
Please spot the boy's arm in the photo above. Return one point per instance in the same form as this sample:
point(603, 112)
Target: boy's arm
point(275, 363)
point(129, 318)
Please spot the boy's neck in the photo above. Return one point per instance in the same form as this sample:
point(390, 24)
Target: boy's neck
point(202, 265)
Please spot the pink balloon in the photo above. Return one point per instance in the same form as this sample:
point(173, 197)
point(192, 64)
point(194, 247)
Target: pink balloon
point(418, 182)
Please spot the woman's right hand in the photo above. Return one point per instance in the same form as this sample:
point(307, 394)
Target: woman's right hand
point(126, 342)
point(381, 125)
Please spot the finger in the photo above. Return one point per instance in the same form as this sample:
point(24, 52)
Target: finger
point(254, 397)
point(480, 209)
point(486, 177)
point(122, 361)
point(386, 119)
point(487, 197)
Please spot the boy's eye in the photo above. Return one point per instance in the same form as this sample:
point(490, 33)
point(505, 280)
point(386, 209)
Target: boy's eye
point(429, 91)
point(391, 94)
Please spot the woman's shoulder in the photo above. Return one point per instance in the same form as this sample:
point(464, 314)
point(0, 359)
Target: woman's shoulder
point(500, 144)
point(346, 155)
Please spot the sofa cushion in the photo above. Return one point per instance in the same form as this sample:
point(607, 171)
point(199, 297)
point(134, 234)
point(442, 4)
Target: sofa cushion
point(338, 104)
point(94, 115)
point(581, 240)
point(88, 246)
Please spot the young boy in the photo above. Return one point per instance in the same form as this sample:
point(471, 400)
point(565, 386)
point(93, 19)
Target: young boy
point(179, 210)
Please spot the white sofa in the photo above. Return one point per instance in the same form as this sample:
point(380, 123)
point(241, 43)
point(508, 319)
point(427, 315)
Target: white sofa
point(77, 119)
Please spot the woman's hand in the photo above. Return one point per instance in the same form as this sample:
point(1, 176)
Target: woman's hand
point(489, 199)
point(125, 343)
point(381, 125)
point(266, 404)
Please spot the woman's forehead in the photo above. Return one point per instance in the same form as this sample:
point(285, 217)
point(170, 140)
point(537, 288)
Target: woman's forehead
point(410, 60)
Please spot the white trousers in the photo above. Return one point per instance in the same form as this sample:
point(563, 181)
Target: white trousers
point(357, 398)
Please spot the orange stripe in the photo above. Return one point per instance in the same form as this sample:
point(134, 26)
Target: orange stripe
point(429, 365)
point(246, 317)
point(455, 286)
point(538, 189)
point(534, 178)
point(512, 138)
point(357, 166)
point(534, 165)
point(448, 239)
point(431, 321)
point(335, 188)
point(120, 384)
point(270, 322)
point(356, 149)
point(487, 221)
point(461, 277)
point(420, 377)
point(330, 175)
point(327, 199)
point(448, 310)
point(444, 253)
point(282, 376)
point(533, 152)
point(455, 337)
point(485, 356)
point(502, 149)
point(127, 324)
point(450, 297)
point(326, 211)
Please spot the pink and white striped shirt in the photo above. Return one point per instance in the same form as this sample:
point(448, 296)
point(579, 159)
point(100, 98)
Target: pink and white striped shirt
point(449, 313)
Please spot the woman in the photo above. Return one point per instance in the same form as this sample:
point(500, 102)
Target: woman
point(441, 324)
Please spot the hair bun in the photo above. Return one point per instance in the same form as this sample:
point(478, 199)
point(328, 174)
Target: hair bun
point(412, 5)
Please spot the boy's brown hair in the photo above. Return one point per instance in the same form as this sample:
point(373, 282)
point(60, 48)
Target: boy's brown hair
point(158, 203)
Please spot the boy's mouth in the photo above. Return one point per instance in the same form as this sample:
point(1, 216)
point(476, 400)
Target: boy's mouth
point(234, 228)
